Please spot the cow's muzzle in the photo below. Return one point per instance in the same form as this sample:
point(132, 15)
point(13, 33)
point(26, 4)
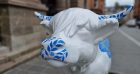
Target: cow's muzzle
point(53, 49)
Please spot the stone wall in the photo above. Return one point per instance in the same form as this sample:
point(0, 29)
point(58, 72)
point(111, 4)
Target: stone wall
point(25, 28)
point(20, 28)
point(5, 26)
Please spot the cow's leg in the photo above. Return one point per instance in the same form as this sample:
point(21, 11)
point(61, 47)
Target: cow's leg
point(75, 69)
point(98, 69)
point(99, 66)
point(79, 69)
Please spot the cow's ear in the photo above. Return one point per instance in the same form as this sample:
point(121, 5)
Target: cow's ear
point(77, 24)
point(46, 24)
point(45, 21)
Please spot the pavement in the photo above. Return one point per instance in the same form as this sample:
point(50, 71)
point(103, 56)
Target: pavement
point(14, 58)
point(37, 66)
point(125, 47)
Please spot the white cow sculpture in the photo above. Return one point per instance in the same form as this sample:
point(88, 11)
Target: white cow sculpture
point(73, 40)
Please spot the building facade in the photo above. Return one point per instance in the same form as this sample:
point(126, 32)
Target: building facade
point(137, 8)
point(58, 5)
point(19, 28)
point(137, 12)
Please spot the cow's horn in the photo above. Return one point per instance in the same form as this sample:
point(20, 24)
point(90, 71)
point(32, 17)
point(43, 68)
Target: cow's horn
point(120, 15)
point(42, 17)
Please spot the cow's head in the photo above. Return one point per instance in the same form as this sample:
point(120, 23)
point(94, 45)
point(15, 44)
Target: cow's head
point(72, 34)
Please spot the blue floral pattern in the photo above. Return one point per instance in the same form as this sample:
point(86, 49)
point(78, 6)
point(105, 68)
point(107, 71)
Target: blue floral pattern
point(119, 15)
point(43, 17)
point(54, 50)
point(104, 46)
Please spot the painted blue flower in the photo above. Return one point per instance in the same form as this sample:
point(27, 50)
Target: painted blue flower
point(104, 46)
point(53, 45)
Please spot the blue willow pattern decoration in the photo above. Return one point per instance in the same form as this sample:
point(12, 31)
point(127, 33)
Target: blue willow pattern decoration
point(54, 49)
point(119, 15)
point(104, 46)
point(43, 17)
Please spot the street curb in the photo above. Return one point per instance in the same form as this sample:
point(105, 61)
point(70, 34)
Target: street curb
point(14, 59)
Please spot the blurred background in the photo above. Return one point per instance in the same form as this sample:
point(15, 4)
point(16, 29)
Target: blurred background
point(21, 34)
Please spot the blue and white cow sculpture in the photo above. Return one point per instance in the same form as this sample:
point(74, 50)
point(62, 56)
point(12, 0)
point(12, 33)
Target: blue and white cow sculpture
point(74, 41)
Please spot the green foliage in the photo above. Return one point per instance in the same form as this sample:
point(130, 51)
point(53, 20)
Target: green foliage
point(117, 6)
point(112, 73)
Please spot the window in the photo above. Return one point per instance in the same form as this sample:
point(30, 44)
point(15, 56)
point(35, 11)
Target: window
point(0, 36)
point(96, 3)
point(85, 3)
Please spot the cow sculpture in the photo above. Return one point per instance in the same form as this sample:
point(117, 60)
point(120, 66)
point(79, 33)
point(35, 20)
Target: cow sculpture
point(73, 38)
